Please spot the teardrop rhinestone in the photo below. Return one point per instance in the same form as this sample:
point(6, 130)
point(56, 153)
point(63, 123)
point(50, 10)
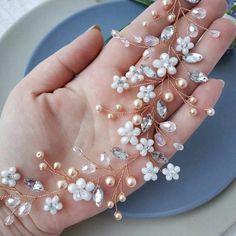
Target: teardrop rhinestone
point(138, 39)
point(193, 30)
point(34, 185)
point(161, 109)
point(125, 42)
point(105, 159)
point(12, 202)
point(193, 58)
point(159, 157)
point(198, 77)
point(119, 153)
point(115, 34)
point(160, 141)
point(151, 40)
point(168, 126)
point(98, 196)
point(167, 33)
point(24, 209)
point(88, 168)
point(9, 220)
point(193, 1)
point(199, 13)
point(148, 53)
point(215, 33)
point(178, 146)
point(146, 123)
point(150, 73)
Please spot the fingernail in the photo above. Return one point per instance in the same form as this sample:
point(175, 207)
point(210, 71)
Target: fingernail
point(94, 27)
point(223, 83)
point(231, 18)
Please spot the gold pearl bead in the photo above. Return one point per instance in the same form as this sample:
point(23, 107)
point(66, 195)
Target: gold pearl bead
point(154, 14)
point(118, 107)
point(42, 166)
point(130, 181)
point(98, 108)
point(193, 100)
point(40, 155)
point(62, 184)
point(138, 104)
point(193, 111)
point(171, 18)
point(110, 181)
point(110, 204)
point(137, 119)
point(122, 197)
point(145, 24)
point(118, 215)
point(167, 4)
point(181, 83)
point(168, 96)
point(72, 172)
point(110, 116)
point(57, 165)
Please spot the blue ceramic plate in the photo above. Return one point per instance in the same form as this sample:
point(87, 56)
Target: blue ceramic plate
point(209, 160)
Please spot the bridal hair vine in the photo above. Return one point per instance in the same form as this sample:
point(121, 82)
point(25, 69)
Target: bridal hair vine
point(147, 106)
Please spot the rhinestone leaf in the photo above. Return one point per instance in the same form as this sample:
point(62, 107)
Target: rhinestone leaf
point(98, 196)
point(115, 34)
point(193, 30)
point(193, 1)
point(148, 53)
point(168, 126)
point(119, 153)
point(161, 109)
point(159, 157)
point(9, 220)
point(138, 39)
point(147, 123)
point(150, 73)
point(198, 77)
point(24, 209)
point(151, 40)
point(193, 58)
point(12, 202)
point(199, 13)
point(105, 159)
point(167, 33)
point(160, 140)
point(215, 33)
point(178, 146)
point(34, 185)
point(88, 168)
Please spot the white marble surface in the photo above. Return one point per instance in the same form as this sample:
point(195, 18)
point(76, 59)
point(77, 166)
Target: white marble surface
point(10, 12)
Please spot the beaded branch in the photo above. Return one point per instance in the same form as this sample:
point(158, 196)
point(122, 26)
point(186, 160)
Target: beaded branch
point(151, 103)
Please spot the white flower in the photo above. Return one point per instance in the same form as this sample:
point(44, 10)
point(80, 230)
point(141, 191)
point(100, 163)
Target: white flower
point(145, 146)
point(171, 172)
point(134, 75)
point(150, 172)
point(119, 83)
point(53, 205)
point(146, 93)
point(184, 44)
point(129, 133)
point(81, 190)
point(165, 64)
point(10, 177)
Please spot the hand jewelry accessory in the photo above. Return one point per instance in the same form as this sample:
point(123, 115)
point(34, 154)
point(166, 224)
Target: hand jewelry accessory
point(135, 132)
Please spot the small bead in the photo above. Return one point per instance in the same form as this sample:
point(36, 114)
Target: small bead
point(110, 181)
point(122, 197)
point(154, 14)
point(42, 166)
point(57, 165)
point(210, 111)
point(193, 100)
point(62, 184)
point(98, 108)
point(110, 116)
point(181, 83)
point(138, 104)
point(193, 111)
point(145, 24)
point(137, 119)
point(40, 155)
point(167, 4)
point(168, 96)
point(118, 215)
point(72, 172)
point(118, 107)
point(130, 181)
point(171, 18)
point(110, 204)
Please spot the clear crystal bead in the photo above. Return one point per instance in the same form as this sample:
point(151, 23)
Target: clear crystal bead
point(24, 209)
point(34, 185)
point(178, 146)
point(215, 33)
point(168, 126)
point(88, 168)
point(161, 109)
point(151, 40)
point(125, 42)
point(159, 157)
point(138, 39)
point(150, 73)
point(160, 141)
point(198, 77)
point(167, 33)
point(105, 159)
point(199, 13)
point(119, 153)
point(98, 196)
point(193, 58)
point(146, 123)
point(78, 150)
point(193, 1)
point(9, 220)
point(193, 30)
point(148, 53)
point(115, 34)
point(12, 202)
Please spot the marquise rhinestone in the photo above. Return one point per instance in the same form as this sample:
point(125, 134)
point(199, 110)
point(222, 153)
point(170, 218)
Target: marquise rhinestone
point(198, 77)
point(105, 159)
point(151, 40)
point(215, 33)
point(9, 220)
point(199, 13)
point(193, 30)
point(24, 209)
point(161, 109)
point(34, 185)
point(168, 126)
point(150, 73)
point(147, 123)
point(115, 34)
point(148, 53)
point(159, 157)
point(193, 58)
point(98, 196)
point(119, 153)
point(167, 33)
point(160, 141)
point(178, 146)
point(88, 168)
point(12, 202)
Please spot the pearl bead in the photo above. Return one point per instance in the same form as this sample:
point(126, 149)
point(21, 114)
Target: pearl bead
point(62, 184)
point(181, 83)
point(118, 215)
point(167, 4)
point(40, 155)
point(145, 24)
point(110, 181)
point(193, 100)
point(130, 181)
point(72, 172)
point(137, 119)
point(138, 104)
point(171, 18)
point(98, 108)
point(110, 116)
point(122, 197)
point(42, 166)
point(168, 96)
point(154, 14)
point(210, 111)
point(193, 111)
point(57, 165)
point(118, 107)
point(110, 204)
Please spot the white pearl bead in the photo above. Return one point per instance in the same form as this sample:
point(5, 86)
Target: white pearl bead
point(211, 112)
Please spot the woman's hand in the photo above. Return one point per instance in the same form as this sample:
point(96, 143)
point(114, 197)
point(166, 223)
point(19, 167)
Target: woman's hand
point(50, 108)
